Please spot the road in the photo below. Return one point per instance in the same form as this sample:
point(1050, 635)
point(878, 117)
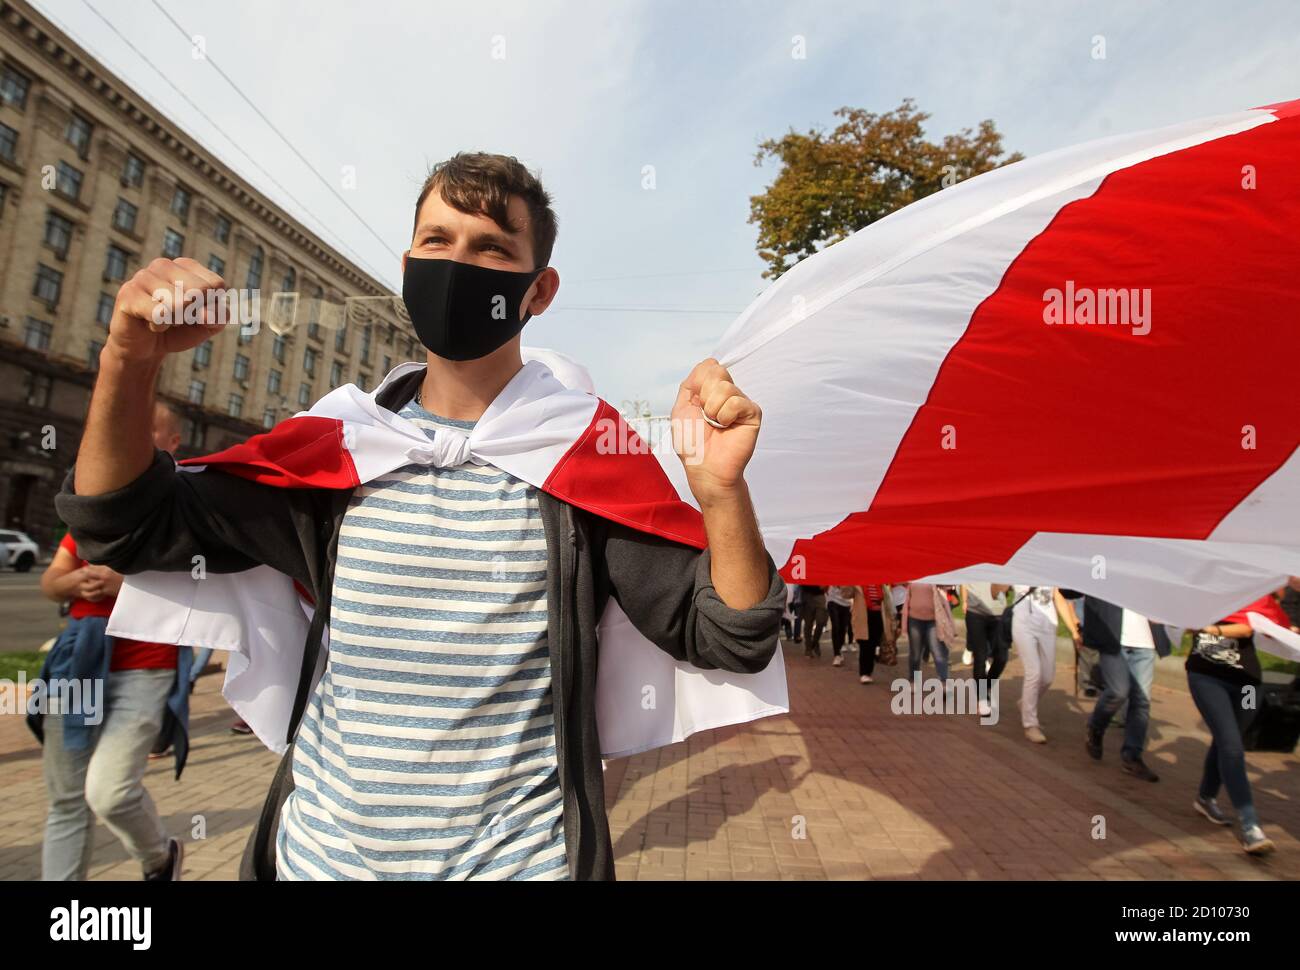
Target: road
point(27, 619)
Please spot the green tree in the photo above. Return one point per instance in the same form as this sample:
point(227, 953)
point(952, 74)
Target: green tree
point(831, 185)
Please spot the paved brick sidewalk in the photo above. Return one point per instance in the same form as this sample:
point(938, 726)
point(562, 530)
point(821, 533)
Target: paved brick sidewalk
point(880, 796)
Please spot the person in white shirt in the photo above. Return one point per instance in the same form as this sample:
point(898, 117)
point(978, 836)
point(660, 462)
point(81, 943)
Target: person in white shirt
point(839, 600)
point(1127, 644)
point(1034, 619)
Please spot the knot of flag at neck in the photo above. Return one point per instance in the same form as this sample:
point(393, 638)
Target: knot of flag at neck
point(446, 449)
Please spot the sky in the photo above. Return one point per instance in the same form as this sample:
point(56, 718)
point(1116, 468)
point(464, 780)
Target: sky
point(590, 94)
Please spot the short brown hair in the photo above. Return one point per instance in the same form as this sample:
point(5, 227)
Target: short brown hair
point(481, 184)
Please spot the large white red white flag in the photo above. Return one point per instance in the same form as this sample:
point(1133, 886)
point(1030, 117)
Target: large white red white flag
point(1077, 370)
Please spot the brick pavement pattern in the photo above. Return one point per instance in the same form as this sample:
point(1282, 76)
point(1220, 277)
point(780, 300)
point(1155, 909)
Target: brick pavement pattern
point(840, 789)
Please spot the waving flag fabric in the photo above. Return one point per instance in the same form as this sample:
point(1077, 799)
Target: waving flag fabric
point(1079, 370)
point(553, 437)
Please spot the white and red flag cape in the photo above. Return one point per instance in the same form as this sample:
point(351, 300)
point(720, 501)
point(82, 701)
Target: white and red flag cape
point(562, 440)
point(1079, 370)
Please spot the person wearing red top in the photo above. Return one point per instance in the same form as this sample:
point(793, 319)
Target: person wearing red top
point(94, 594)
point(1223, 675)
point(94, 766)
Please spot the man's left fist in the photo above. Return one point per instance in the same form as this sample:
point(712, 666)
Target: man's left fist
point(715, 428)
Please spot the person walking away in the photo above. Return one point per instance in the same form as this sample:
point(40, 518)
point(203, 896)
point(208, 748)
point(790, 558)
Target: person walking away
point(1034, 618)
point(1223, 674)
point(1127, 645)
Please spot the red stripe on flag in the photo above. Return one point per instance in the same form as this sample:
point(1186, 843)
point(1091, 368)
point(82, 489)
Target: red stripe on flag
point(302, 452)
point(1093, 428)
point(609, 471)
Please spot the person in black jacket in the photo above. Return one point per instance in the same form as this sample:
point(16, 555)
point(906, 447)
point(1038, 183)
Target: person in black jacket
point(1128, 645)
point(503, 777)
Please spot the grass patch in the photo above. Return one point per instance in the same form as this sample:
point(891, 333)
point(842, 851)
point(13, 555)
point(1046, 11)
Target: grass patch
point(28, 660)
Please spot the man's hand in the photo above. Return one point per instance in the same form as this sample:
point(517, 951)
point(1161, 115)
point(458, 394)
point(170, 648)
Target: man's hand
point(103, 582)
point(148, 322)
point(714, 457)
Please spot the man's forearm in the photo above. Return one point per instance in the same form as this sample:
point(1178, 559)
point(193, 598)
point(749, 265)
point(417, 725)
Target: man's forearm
point(117, 446)
point(738, 561)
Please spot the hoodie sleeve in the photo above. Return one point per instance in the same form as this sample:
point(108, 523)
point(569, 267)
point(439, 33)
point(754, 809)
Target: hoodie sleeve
point(666, 590)
point(172, 521)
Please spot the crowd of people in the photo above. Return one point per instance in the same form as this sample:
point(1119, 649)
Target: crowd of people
point(1116, 650)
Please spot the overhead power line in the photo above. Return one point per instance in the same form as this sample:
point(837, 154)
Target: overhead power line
point(304, 211)
point(270, 124)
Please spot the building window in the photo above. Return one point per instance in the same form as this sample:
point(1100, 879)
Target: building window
point(203, 354)
point(245, 336)
point(68, 180)
point(8, 144)
point(254, 280)
point(133, 172)
point(268, 418)
point(309, 361)
point(388, 363)
point(273, 382)
point(290, 281)
point(93, 360)
point(196, 391)
point(37, 389)
point(14, 87)
point(336, 374)
point(304, 395)
point(78, 134)
point(115, 265)
point(193, 433)
point(235, 406)
point(58, 233)
point(217, 265)
point(48, 285)
point(104, 311)
point(241, 367)
point(124, 216)
point(277, 347)
point(363, 382)
point(340, 340)
point(221, 230)
point(313, 326)
point(181, 203)
point(173, 244)
point(37, 334)
point(365, 344)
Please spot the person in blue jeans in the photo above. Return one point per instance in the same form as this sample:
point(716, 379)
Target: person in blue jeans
point(1223, 675)
point(1127, 644)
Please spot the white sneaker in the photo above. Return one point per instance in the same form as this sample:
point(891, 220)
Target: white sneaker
point(985, 709)
point(838, 662)
point(864, 679)
point(967, 658)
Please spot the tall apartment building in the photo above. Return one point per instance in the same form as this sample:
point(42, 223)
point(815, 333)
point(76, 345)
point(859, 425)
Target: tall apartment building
point(95, 183)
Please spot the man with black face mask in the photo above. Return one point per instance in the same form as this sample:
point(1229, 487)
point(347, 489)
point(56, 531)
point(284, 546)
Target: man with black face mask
point(450, 730)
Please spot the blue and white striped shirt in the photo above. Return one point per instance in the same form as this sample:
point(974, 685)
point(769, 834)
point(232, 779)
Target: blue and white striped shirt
point(428, 748)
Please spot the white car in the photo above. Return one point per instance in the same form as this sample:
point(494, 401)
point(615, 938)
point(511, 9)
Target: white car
point(17, 550)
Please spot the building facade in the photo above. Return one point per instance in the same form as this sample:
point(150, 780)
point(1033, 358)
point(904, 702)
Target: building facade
point(94, 184)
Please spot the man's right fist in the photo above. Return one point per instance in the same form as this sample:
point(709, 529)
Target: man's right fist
point(149, 321)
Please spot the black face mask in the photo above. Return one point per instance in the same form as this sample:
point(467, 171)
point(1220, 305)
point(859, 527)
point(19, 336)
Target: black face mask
point(461, 311)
